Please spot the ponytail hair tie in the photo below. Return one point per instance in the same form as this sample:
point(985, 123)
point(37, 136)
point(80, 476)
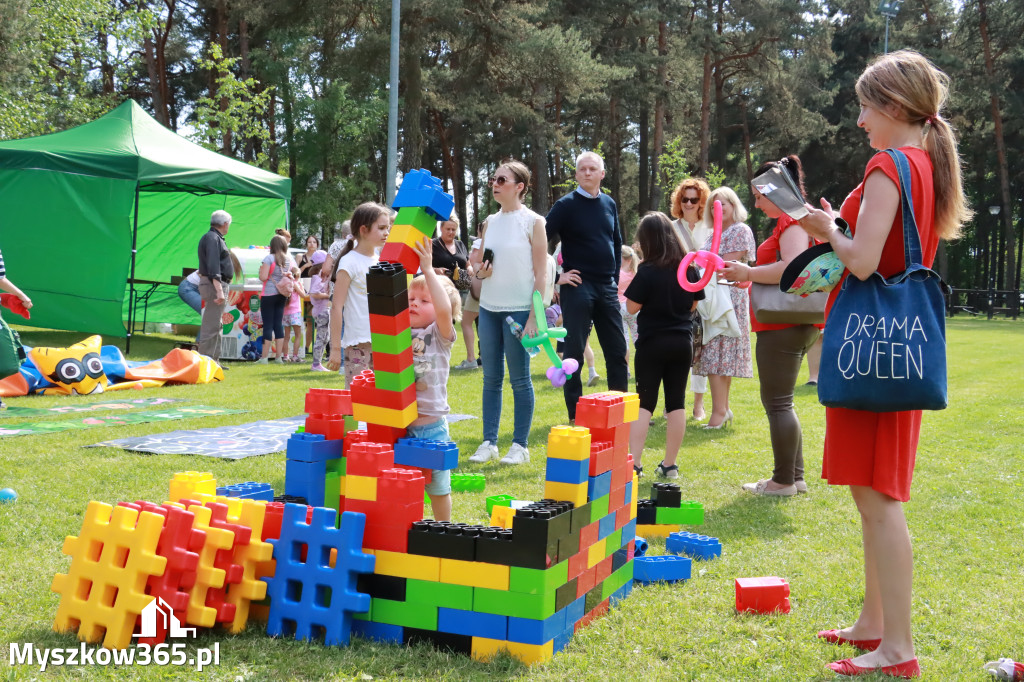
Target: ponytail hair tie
point(931, 119)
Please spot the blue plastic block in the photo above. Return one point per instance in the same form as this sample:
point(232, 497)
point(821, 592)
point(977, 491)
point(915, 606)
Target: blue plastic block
point(599, 486)
point(629, 492)
point(307, 595)
point(606, 526)
point(640, 547)
point(575, 611)
point(693, 545)
point(629, 530)
point(380, 632)
point(530, 631)
point(248, 491)
point(562, 640)
point(421, 190)
point(428, 454)
point(305, 479)
point(471, 623)
point(671, 568)
point(567, 470)
point(313, 447)
point(621, 593)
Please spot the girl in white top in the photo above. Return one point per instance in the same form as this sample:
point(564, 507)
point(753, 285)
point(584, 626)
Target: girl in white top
point(371, 223)
point(512, 265)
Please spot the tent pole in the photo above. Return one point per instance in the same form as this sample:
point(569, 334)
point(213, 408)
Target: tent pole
point(131, 277)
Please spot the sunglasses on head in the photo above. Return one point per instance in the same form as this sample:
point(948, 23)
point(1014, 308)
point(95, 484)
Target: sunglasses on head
point(500, 181)
point(690, 200)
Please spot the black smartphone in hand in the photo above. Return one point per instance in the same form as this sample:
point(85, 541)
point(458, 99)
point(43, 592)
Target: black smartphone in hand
point(489, 256)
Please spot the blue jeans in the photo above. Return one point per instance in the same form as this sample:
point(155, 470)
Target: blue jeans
point(189, 294)
point(440, 479)
point(499, 346)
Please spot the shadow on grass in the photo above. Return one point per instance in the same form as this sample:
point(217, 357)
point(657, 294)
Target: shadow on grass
point(749, 516)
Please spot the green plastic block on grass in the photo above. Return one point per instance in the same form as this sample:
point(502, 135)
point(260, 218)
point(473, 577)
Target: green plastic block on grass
point(404, 613)
point(386, 343)
point(536, 581)
point(690, 514)
point(498, 501)
point(418, 218)
point(599, 508)
point(390, 381)
point(616, 580)
point(518, 604)
point(613, 542)
point(439, 594)
point(468, 483)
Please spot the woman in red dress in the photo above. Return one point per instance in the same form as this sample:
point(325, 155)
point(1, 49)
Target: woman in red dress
point(901, 97)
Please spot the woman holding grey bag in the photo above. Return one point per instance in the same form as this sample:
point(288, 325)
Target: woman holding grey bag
point(780, 347)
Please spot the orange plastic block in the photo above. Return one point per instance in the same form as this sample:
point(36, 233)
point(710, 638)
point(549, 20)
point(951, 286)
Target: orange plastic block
point(104, 591)
point(569, 442)
point(566, 492)
point(186, 483)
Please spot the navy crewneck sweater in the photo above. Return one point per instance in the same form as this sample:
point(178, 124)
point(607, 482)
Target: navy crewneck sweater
point(589, 230)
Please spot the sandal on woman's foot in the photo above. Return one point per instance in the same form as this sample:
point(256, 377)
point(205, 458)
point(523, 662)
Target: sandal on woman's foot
point(668, 471)
point(638, 470)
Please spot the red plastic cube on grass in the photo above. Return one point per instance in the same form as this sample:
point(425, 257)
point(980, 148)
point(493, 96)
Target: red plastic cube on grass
point(762, 595)
point(328, 401)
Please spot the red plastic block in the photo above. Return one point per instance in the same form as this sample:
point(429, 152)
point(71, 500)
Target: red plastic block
point(623, 515)
point(272, 518)
point(622, 472)
point(397, 252)
point(391, 362)
point(365, 392)
point(401, 487)
point(616, 498)
point(331, 427)
point(604, 569)
point(589, 534)
point(586, 582)
point(328, 401)
point(387, 537)
point(378, 433)
point(368, 459)
point(618, 436)
point(600, 411)
point(577, 564)
point(356, 436)
point(428, 474)
point(762, 595)
point(390, 325)
point(224, 559)
point(600, 457)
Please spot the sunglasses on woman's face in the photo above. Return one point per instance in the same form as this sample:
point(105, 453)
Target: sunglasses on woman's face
point(690, 200)
point(500, 181)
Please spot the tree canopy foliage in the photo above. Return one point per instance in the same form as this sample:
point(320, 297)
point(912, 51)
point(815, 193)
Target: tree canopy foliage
point(664, 89)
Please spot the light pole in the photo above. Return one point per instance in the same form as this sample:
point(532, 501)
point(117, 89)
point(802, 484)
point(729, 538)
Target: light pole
point(993, 211)
point(888, 9)
point(392, 157)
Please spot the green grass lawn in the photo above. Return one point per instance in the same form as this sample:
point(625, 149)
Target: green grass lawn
point(965, 517)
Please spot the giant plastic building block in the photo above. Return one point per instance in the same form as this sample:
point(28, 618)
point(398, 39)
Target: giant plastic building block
point(306, 595)
point(468, 483)
point(693, 545)
point(312, 447)
point(252, 556)
point(211, 574)
point(669, 568)
point(428, 454)
point(419, 189)
point(113, 558)
point(762, 595)
point(333, 401)
point(185, 484)
point(248, 491)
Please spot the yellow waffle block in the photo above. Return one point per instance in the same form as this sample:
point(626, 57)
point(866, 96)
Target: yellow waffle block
point(207, 576)
point(501, 517)
point(595, 553)
point(483, 649)
point(234, 507)
point(104, 591)
point(474, 574)
point(659, 530)
point(251, 556)
point(396, 419)
point(361, 488)
point(407, 565)
point(532, 653)
point(186, 484)
point(567, 492)
point(569, 442)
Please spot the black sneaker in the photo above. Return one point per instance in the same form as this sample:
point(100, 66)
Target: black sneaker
point(668, 472)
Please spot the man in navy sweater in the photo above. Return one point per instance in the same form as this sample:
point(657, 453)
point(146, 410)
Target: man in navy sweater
point(587, 222)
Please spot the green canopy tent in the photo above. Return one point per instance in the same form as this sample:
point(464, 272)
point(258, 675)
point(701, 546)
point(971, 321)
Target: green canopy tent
point(93, 218)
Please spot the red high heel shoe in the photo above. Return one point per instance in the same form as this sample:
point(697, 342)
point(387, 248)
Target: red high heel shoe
point(833, 637)
point(905, 670)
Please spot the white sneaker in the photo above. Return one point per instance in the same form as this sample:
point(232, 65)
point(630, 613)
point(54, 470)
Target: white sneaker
point(517, 454)
point(485, 453)
point(466, 364)
point(594, 378)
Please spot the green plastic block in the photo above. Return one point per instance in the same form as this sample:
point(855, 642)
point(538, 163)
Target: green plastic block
point(390, 381)
point(690, 513)
point(301, 429)
point(598, 508)
point(498, 501)
point(613, 543)
point(418, 218)
point(616, 580)
point(518, 604)
point(404, 613)
point(364, 616)
point(332, 494)
point(385, 343)
point(350, 423)
point(336, 466)
point(439, 594)
point(536, 581)
point(468, 483)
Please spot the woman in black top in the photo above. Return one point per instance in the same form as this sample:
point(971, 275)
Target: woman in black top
point(664, 345)
point(451, 254)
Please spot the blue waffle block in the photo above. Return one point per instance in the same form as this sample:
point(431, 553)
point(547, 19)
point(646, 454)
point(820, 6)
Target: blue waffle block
point(693, 545)
point(308, 597)
point(472, 623)
point(567, 470)
point(427, 454)
point(312, 447)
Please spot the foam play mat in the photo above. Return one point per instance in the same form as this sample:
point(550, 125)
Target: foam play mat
point(224, 442)
point(15, 411)
point(9, 430)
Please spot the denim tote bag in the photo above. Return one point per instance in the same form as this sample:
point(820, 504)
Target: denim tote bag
point(884, 348)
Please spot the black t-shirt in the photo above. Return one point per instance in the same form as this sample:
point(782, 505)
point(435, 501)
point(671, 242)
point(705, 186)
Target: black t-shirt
point(443, 258)
point(666, 305)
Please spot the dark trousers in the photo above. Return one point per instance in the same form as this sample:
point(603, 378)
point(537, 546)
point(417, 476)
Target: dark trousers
point(663, 359)
point(597, 303)
point(272, 308)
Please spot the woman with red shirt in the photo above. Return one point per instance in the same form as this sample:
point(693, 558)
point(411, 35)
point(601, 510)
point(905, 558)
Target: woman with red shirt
point(901, 97)
point(780, 347)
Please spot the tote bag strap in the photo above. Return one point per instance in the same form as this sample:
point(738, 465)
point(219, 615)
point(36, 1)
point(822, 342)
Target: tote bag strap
point(911, 238)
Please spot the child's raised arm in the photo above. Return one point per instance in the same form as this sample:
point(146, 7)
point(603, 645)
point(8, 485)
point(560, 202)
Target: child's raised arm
point(439, 297)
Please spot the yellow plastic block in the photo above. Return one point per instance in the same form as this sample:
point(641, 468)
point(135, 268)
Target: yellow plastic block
point(187, 483)
point(632, 412)
point(660, 530)
point(406, 234)
point(501, 517)
point(569, 442)
point(382, 416)
point(532, 653)
point(104, 590)
point(407, 565)
point(483, 649)
point(595, 553)
point(234, 507)
point(474, 574)
point(252, 557)
point(567, 492)
point(343, 485)
point(207, 577)
point(636, 487)
point(361, 488)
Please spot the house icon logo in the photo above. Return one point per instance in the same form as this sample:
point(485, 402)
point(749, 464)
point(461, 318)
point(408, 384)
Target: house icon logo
point(159, 617)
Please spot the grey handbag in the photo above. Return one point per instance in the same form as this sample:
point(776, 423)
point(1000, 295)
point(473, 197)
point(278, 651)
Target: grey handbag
point(771, 305)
